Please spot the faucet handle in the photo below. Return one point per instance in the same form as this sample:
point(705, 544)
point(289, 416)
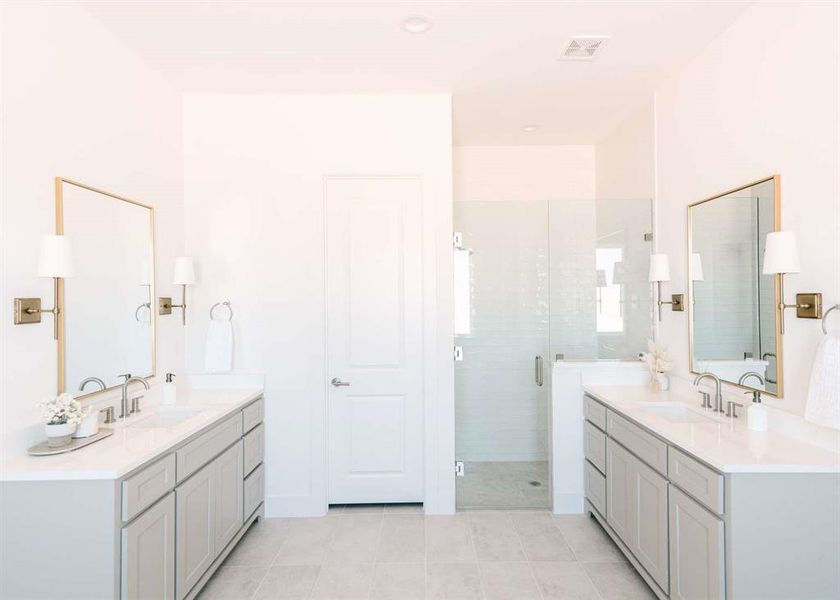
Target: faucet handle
point(109, 415)
point(732, 408)
point(135, 404)
point(707, 401)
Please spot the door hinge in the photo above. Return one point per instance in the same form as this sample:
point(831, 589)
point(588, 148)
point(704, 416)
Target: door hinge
point(459, 468)
point(458, 240)
point(458, 353)
point(648, 237)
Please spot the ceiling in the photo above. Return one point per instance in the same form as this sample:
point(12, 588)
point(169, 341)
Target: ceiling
point(498, 59)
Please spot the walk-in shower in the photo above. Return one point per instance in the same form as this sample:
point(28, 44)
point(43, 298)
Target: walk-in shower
point(534, 282)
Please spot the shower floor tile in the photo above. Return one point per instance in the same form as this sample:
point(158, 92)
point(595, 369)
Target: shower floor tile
point(504, 484)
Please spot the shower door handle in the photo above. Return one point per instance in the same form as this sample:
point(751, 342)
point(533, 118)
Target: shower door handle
point(538, 370)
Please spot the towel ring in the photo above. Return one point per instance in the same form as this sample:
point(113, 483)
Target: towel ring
point(138, 309)
point(825, 316)
point(227, 305)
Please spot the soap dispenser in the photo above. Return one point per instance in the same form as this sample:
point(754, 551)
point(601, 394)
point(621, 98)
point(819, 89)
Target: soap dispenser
point(169, 389)
point(756, 413)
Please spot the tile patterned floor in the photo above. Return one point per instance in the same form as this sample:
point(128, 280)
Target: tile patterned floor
point(397, 553)
point(497, 484)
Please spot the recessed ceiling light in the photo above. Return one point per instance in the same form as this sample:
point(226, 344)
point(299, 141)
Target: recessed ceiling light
point(530, 128)
point(417, 25)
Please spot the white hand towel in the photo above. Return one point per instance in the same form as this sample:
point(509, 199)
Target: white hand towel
point(823, 404)
point(218, 357)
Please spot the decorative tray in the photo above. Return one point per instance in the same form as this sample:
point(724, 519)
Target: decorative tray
point(43, 449)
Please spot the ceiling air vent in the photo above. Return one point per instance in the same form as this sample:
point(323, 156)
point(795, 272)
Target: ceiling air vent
point(584, 47)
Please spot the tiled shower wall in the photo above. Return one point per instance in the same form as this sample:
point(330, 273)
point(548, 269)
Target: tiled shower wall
point(533, 292)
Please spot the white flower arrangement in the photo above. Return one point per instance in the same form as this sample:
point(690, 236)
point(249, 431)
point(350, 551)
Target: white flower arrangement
point(657, 358)
point(63, 409)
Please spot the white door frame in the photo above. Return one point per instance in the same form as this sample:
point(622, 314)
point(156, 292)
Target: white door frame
point(438, 368)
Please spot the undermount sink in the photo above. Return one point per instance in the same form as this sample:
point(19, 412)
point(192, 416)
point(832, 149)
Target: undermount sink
point(165, 417)
point(675, 413)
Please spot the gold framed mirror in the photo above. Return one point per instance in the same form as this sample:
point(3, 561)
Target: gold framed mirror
point(106, 327)
point(734, 327)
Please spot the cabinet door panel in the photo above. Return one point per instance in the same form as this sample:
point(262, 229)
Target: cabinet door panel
point(195, 502)
point(228, 495)
point(650, 505)
point(148, 554)
point(696, 549)
point(619, 494)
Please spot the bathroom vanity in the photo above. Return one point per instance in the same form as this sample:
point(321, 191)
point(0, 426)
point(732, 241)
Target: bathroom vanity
point(704, 508)
point(149, 512)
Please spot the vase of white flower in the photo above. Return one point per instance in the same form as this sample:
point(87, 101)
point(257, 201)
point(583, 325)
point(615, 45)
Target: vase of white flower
point(62, 414)
point(659, 362)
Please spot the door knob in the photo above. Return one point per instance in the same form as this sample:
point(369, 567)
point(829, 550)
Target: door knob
point(338, 383)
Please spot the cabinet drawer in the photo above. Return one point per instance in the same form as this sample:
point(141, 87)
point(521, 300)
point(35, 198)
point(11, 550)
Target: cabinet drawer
point(254, 490)
point(207, 446)
point(595, 446)
point(595, 412)
point(595, 487)
point(252, 415)
point(142, 489)
point(254, 448)
point(641, 443)
point(696, 479)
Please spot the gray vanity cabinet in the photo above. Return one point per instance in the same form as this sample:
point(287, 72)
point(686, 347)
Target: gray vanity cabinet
point(209, 514)
point(148, 551)
point(619, 491)
point(649, 503)
point(696, 550)
point(196, 537)
point(637, 510)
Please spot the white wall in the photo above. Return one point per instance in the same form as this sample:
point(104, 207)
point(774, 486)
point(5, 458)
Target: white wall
point(523, 173)
point(763, 98)
point(624, 160)
point(75, 103)
point(254, 172)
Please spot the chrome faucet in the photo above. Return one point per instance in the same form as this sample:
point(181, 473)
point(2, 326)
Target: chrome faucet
point(95, 380)
point(124, 408)
point(718, 396)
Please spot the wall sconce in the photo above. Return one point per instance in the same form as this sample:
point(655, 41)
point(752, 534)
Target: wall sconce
point(660, 271)
point(781, 257)
point(184, 276)
point(56, 261)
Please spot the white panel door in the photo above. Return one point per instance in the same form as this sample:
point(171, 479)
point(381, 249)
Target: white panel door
point(374, 339)
point(650, 506)
point(195, 524)
point(697, 552)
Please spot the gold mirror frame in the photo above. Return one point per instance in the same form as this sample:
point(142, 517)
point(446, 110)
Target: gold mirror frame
point(59, 229)
point(777, 226)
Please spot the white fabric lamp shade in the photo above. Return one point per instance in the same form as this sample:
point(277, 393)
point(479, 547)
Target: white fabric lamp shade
point(781, 253)
point(660, 269)
point(56, 257)
point(696, 267)
point(184, 271)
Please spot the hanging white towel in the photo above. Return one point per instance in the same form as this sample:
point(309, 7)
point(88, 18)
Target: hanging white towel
point(218, 357)
point(823, 404)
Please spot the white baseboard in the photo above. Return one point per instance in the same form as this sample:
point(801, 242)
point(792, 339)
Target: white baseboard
point(567, 504)
point(293, 506)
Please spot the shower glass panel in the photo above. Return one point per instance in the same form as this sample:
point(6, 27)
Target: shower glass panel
point(534, 281)
point(501, 410)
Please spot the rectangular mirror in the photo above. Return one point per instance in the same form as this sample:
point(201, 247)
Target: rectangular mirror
point(107, 327)
point(733, 327)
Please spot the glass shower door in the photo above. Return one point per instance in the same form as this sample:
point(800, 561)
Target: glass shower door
point(502, 380)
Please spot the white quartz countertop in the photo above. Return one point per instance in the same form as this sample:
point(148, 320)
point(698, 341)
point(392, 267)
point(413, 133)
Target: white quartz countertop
point(723, 443)
point(133, 443)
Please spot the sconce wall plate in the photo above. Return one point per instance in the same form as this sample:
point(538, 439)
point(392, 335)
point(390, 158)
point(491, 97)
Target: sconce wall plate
point(809, 306)
point(165, 305)
point(27, 310)
point(678, 302)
